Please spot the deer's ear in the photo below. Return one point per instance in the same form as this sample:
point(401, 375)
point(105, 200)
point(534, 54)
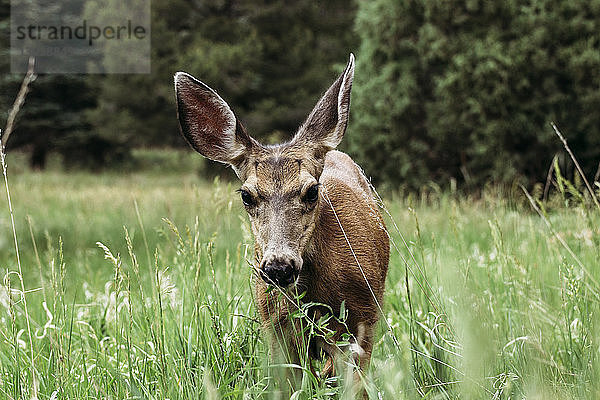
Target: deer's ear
point(326, 124)
point(207, 122)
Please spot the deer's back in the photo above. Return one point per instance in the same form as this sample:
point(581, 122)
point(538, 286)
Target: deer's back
point(350, 251)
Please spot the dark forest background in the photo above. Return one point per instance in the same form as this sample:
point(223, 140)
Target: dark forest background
point(445, 91)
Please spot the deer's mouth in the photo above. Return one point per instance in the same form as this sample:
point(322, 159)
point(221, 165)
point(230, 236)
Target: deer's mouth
point(281, 278)
point(280, 271)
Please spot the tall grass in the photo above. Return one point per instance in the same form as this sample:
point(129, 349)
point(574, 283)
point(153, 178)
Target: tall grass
point(139, 286)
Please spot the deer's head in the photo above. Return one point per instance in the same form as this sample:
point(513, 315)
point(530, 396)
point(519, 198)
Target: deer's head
point(280, 184)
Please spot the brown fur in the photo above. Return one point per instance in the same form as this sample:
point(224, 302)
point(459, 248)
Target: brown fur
point(337, 246)
point(330, 273)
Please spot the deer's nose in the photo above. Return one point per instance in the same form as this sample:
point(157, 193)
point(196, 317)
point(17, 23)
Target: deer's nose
point(279, 272)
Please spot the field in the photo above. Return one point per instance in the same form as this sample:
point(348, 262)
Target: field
point(137, 285)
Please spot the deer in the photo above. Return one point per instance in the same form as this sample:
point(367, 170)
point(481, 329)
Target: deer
point(315, 221)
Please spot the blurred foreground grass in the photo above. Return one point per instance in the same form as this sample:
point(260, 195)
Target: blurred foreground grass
point(497, 307)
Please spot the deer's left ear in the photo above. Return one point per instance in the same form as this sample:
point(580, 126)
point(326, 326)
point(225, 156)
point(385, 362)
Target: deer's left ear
point(208, 124)
point(325, 126)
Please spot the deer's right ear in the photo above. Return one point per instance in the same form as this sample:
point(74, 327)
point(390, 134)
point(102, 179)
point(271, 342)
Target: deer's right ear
point(208, 124)
point(326, 124)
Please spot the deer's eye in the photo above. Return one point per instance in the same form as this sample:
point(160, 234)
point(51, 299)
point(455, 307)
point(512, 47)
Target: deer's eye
point(312, 194)
point(247, 198)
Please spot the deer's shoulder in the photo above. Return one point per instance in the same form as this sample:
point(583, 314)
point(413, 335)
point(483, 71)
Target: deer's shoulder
point(340, 169)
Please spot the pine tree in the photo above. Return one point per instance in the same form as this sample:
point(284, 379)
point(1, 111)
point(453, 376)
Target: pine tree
point(466, 90)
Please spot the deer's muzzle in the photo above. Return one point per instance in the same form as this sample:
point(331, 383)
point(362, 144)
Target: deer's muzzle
point(280, 271)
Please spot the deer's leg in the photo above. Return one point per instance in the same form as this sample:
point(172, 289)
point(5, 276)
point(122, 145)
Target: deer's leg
point(285, 340)
point(283, 351)
point(353, 360)
point(328, 369)
point(361, 353)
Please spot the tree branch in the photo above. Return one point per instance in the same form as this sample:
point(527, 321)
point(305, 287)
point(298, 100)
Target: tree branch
point(12, 114)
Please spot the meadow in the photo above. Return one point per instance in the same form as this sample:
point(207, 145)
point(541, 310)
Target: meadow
point(137, 285)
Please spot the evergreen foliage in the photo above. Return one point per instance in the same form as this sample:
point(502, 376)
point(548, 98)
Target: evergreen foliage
point(53, 118)
point(466, 90)
point(444, 91)
point(270, 61)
